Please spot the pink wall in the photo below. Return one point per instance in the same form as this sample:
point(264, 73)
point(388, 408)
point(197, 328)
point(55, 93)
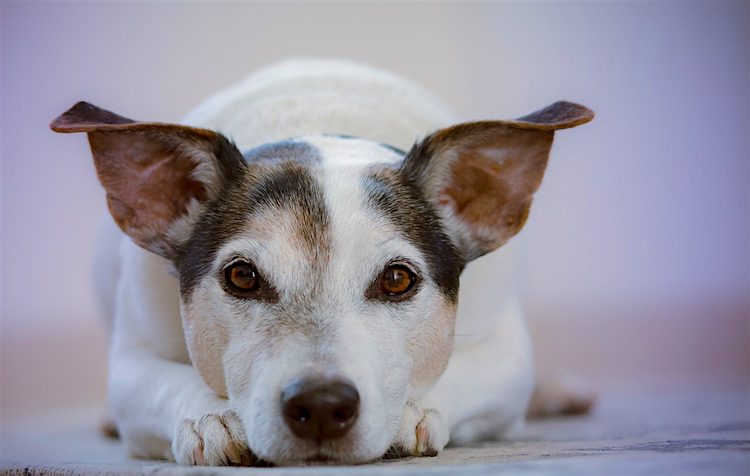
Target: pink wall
point(637, 266)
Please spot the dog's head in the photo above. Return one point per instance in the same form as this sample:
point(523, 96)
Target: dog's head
point(319, 276)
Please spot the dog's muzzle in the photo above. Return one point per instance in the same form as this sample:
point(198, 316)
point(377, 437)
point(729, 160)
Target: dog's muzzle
point(317, 409)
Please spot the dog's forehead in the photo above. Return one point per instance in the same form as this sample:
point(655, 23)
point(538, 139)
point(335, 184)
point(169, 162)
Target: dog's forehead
point(352, 153)
point(279, 176)
point(295, 150)
point(316, 200)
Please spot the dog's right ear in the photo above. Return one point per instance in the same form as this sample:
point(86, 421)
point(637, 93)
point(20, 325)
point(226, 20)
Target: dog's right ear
point(158, 177)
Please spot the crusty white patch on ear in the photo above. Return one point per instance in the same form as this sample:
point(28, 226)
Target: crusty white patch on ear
point(461, 233)
point(204, 172)
point(205, 169)
point(180, 229)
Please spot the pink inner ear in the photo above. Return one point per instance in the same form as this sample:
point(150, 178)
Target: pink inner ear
point(491, 186)
point(483, 174)
point(478, 191)
point(148, 186)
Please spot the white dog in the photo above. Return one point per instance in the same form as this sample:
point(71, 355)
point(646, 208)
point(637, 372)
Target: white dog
point(291, 296)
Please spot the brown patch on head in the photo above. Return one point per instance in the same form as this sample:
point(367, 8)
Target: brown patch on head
point(152, 172)
point(275, 188)
point(287, 175)
point(482, 175)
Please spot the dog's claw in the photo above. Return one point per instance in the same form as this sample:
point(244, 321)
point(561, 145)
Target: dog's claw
point(214, 440)
point(422, 433)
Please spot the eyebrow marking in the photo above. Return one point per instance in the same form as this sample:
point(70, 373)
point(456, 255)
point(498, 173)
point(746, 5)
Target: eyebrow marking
point(394, 196)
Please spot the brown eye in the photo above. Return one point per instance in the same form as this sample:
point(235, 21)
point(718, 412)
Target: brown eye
point(241, 278)
point(397, 280)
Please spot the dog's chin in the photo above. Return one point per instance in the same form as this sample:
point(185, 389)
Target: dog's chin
point(320, 459)
point(324, 457)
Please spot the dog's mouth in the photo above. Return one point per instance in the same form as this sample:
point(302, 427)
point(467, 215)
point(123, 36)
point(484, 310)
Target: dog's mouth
point(320, 459)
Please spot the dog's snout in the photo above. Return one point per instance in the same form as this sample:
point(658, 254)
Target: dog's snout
point(320, 409)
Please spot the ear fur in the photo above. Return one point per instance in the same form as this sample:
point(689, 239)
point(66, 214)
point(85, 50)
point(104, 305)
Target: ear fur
point(158, 177)
point(481, 176)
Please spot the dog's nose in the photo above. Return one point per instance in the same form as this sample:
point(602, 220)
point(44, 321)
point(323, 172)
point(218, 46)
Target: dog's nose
point(320, 409)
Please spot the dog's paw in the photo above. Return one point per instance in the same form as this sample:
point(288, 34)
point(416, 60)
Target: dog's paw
point(555, 396)
point(214, 440)
point(422, 433)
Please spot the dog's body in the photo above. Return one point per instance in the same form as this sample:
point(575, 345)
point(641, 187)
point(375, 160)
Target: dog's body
point(278, 270)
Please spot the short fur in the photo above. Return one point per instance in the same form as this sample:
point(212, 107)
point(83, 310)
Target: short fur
point(319, 197)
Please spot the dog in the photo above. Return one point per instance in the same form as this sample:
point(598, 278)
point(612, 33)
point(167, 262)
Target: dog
point(291, 295)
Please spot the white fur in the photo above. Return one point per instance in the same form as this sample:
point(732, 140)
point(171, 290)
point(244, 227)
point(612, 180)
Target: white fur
point(153, 388)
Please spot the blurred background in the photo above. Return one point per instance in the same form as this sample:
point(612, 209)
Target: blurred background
point(636, 269)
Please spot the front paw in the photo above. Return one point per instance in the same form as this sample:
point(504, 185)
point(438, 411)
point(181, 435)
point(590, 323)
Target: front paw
point(214, 440)
point(421, 433)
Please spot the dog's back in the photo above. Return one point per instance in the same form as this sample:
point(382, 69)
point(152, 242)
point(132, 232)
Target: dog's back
point(307, 97)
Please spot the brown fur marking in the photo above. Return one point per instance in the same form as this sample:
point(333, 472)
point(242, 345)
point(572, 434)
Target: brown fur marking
point(485, 173)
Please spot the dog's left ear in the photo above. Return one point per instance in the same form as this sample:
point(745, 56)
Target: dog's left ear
point(481, 176)
point(158, 177)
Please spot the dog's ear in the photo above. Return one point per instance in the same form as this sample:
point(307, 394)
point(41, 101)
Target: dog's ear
point(158, 177)
point(481, 176)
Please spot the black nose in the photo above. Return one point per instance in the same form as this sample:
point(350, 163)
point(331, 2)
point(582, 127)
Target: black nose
point(319, 409)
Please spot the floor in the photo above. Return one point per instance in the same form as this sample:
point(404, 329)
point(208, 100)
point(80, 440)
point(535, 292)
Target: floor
point(705, 434)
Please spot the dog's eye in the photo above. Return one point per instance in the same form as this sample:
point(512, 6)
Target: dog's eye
point(397, 280)
point(241, 278)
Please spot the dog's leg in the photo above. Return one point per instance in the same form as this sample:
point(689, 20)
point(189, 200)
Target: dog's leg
point(164, 410)
point(483, 393)
point(560, 395)
point(161, 405)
